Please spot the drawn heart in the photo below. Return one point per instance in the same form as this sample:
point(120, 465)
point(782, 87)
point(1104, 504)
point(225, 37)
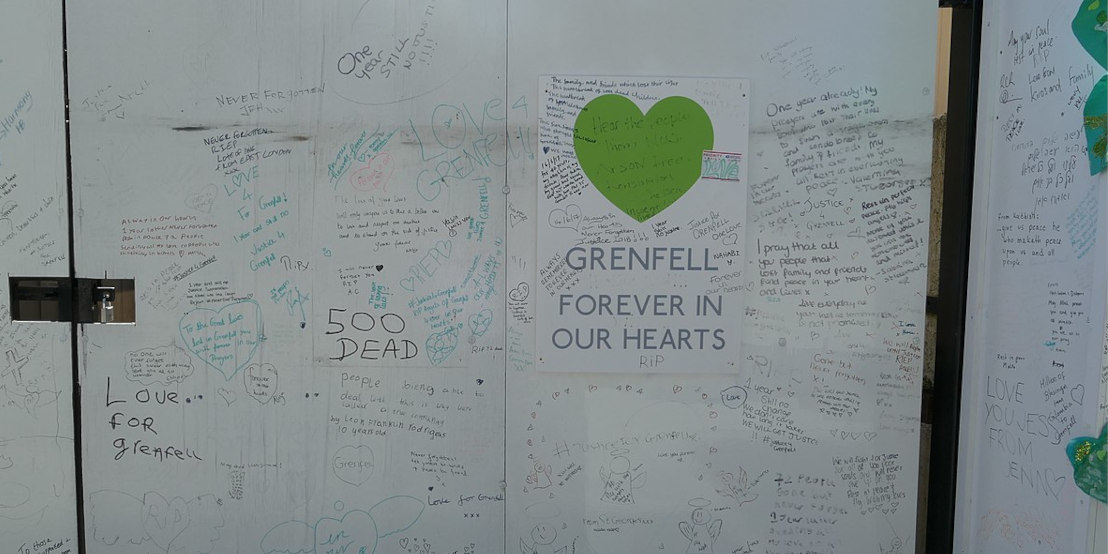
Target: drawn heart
point(404, 543)
point(870, 435)
point(516, 218)
point(734, 397)
point(444, 247)
point(261, 382)
point(353, 465)
point(375, 175)
point(870, 289)
point(408, 284)
point(731, 240)
point(30, 402)
point(380, 267)
point(202, 200)
point(569, 218)
point(1077, 393)
point(225, 339)
point(357, 529)
point(520, 293)
point(163, 521)
point(480, 382)
point(592, 388)
point(440, 345)
point(480, 322)
point(228, 396)
point(642, 164)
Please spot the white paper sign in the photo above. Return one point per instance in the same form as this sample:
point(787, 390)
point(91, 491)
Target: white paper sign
point(642, 223)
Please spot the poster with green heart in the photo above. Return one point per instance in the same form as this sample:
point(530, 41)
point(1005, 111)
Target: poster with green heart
point(642, 227)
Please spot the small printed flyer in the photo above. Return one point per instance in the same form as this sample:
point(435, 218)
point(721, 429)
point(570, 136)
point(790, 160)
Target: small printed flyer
point(642, 223)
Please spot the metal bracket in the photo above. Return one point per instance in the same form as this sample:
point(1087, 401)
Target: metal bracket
point(62, 299)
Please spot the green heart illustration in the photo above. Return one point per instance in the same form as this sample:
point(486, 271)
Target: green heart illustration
point(1089, 457)
point(642, 164)
point(1089, 28)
